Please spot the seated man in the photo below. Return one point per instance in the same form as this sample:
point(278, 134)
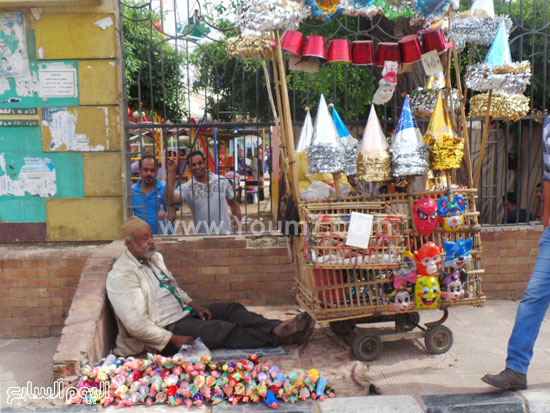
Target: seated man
point(512, 210)
point(154, 314)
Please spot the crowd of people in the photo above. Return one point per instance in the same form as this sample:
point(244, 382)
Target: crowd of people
point(158, 195)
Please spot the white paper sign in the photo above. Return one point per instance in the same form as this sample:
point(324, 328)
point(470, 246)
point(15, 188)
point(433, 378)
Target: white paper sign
point(431, 63)
point(359, 230)
point(58, 82)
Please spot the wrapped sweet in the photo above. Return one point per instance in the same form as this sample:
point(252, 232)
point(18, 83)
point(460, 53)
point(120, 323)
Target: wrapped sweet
point(446, 148)
point(373, 160)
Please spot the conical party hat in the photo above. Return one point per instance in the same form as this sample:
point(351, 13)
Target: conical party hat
point(324, 131)
point(305, 134)
point(349, 142)
point(445, 146)
point(373, 137)
point(373, 160)
point(499, 53)
point(326, 152)
point(409, 152)
point(484, 8)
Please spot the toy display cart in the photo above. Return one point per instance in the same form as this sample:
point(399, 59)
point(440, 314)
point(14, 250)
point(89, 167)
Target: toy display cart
point(346, 286)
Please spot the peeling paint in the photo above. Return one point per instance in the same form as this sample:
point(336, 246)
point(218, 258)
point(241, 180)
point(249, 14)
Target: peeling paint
point(27, 86)
point(112, 64)
point(36, 177)
point(105, 23)
point(40, 53)
point(4, 85)
point(62, 126)
point(106, 113)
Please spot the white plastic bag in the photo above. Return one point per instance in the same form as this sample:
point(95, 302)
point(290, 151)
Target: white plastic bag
point(193, 352)
point(317, 190)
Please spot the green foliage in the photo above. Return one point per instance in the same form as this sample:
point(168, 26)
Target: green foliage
point(154, 72)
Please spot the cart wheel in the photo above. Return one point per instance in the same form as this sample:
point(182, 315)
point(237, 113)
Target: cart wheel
point(342, 328)
point(367, 346)
point(411, 321)
point(438, 339)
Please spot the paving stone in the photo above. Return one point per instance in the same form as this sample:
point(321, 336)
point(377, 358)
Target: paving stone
point(538, 400)
point(494, 402)
point(300, 407)
point(378, 404)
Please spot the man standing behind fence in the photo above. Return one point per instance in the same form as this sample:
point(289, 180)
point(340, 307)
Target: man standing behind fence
point(207, 195)
point(533, 307)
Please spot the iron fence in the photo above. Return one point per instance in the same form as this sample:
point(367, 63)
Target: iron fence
point(234, 95)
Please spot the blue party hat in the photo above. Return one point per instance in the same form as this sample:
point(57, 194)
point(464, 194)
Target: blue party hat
point(407, 119)
point(499, 53)
point(343, 132)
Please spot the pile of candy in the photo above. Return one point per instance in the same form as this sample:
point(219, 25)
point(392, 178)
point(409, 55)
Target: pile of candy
point(126, 382)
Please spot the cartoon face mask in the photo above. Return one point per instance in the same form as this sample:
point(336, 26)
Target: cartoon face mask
point(425, 215)
point(427, 292)
point(428, 259)
point(451, 286)
point(451, 213)
point(402, 301)
point(457, 254)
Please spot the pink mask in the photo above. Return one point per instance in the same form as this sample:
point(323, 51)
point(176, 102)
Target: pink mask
point(425, 215)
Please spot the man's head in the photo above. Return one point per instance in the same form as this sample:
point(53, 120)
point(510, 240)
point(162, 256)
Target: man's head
point(148, 169)
point(511, 201)
point(538, 191)
point(139, 238)
point(197, 163)
point(249, 154)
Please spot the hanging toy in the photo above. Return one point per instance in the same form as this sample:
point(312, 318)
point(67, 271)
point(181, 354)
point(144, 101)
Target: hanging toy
point(432, 8)
point(349, 143)
point(427, 292)
point(451, 213)
point(425, 216)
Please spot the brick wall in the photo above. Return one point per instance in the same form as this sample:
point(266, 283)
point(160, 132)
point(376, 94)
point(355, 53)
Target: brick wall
point(509, 254)
point(37, 287)
point(251, 270)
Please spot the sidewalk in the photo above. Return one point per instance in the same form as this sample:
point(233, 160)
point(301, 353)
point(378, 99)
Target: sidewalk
point(409, 378)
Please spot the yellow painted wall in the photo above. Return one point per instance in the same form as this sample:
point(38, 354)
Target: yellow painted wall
point(101, 124)
point(85, 32)
point(102, 175)
point(84, 219)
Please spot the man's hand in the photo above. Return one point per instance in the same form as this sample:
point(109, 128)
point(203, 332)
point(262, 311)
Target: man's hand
point(179, 341)
point(171, 165)
point(202, 313)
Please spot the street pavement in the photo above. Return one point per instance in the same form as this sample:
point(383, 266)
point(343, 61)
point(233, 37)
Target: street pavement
point(406, 376)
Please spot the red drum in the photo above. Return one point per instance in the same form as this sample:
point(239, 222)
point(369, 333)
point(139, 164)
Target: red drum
point(409, 47)
point(292, 42)
point(362, 52)
point(433, 39)
point(339, 51)
point(387, 51)
point(316, 46)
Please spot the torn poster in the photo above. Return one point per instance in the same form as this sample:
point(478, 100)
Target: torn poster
point(13, 45)
point(62, 126)
point(36, 177)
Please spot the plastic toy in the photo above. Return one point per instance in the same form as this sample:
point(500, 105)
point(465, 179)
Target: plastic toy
point(425, 216)
point(428, 259)
point(407, 271)
point(427, 292)
point(451, 213)
point(452, 285)
point(457, 254)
